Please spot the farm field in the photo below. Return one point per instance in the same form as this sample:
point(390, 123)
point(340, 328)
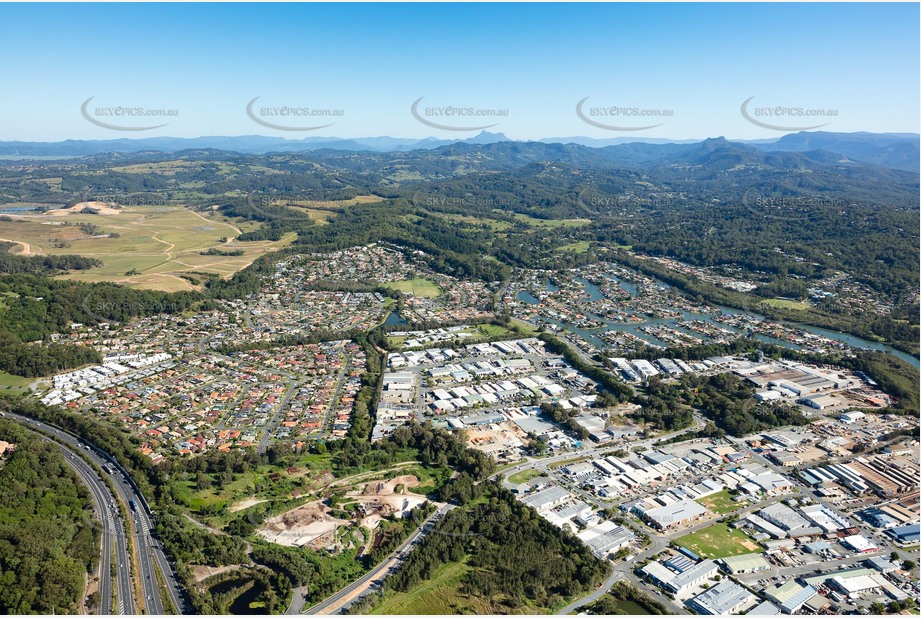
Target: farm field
point(155, 243)
point(718, 541)
point(423, 288)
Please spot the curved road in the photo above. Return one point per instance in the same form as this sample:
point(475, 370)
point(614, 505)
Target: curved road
point(151, 557)
point(113, 528)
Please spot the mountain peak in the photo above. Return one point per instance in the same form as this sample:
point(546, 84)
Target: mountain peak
point(485, 137)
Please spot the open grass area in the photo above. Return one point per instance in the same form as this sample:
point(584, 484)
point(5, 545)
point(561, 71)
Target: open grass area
point(566, 462)
point(475, 334)
point(10, 381)
point(524, 476)
point(439, 595)
point(423, 288)
point(493, 224)
point(576, 247)
point(551, 223)
point(155, 243)
point(718, 541)
point(720, 502)
point(784, 303)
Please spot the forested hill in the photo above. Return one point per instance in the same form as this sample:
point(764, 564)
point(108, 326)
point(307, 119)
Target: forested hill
point(47, 540)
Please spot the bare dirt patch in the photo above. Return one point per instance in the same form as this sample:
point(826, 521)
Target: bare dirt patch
point(201, 573)
point(312, 525)
point(308, 525)
point(101, 208)
point(245, 504)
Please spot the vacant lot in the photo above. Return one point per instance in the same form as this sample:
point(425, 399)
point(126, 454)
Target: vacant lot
point(423, 288)
point(439, 595)
point(718, 541)
point(524, 476)
point(784, 303)
point(156, 244)
point(721, 502)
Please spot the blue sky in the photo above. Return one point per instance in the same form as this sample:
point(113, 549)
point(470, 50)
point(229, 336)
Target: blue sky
point(537, 61)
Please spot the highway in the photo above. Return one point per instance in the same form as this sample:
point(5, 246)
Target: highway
point(356, 589)
point(149, 552)
point(112, 528)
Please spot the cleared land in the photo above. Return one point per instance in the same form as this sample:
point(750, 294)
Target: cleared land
point(576, 247)
point(155, 243)
point(423, 288)
point(524, 476)
point(787, 304)
point(439, 595)
point(551, 223)
point(721, 502)
point(10, 381)
point(718, 541)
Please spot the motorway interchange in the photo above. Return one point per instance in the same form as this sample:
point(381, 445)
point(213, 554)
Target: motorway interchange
point(151, 565)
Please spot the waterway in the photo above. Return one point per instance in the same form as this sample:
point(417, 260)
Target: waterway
point(394, 319)
point(593, 293)
point(16, 210)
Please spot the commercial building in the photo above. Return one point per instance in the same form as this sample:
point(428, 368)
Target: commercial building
point(745, 563)
point(783, 517)
point(851, 417)
point(678, 582)
point(859, 543)
point(606, 538)
point(722, 599)
point(674, 515)
point(790, 595)
point(905, 535)
point(546, 498)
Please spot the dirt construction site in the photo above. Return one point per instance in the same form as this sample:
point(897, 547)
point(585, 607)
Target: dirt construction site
point(316, 524)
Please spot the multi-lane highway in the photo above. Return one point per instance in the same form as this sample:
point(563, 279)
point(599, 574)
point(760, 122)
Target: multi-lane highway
point(113, 529)
point(151, 558)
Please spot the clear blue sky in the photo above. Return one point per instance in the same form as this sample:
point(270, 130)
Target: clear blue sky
point(535, 60)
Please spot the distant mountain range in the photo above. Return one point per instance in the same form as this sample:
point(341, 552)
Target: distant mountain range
point(893, 150)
